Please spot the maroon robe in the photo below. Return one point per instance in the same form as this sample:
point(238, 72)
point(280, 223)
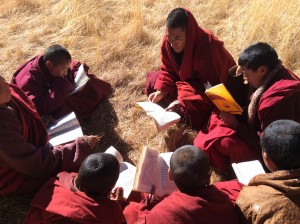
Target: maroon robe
point(51, 94)
point(211, 204)
point(223, 145)
point(26, 159)
point(58, 202)
point(204, 59)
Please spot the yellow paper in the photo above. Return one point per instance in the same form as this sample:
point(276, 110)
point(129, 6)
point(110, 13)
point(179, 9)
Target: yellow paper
point(223, 100)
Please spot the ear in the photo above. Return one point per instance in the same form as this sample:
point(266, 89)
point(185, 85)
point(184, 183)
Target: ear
point(269, 162)
point(170, 175)
point(49, 64)
point(263, 70)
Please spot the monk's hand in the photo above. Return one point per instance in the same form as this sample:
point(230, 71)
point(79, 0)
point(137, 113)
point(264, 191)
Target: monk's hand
point(229, 119)
point(153, 199)
point(92, 140)
point(174, 106)
point(156, 96)
point(117, 194)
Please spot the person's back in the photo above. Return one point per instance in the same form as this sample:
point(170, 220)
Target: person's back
point(275, 197)
point(82, 198)
point(196, 201)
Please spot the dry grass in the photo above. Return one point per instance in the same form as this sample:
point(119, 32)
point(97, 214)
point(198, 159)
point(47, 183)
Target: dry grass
point(120, 41)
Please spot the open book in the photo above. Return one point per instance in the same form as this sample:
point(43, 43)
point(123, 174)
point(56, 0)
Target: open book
point(65, 129)
point(223, 100)
point(152, 169)
point(162, 118)
point(246, 170)
point(80, 80)
point(127, 172)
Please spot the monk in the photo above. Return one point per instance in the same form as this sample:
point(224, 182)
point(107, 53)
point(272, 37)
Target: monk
point(26, 158)
point(82, 197)
point(48, 79)
point(191, 57)
point(275, 95)
point(275, 197)
point(196, 201)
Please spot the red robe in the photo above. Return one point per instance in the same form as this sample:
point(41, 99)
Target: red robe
point(204, 59)
point(211, 204)
point(59, 202)
point(223, 145)
point(26, 159)
point(51, 94)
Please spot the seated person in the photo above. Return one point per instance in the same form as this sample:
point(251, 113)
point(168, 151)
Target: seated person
point(82, 197)
point(26, 159)
point(275, 197)
point(196, 201)
point(275, 95)
point(48, 80)
point(191, 57)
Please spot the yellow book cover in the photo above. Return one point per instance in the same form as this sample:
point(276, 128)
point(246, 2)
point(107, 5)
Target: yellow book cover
point(223, 100)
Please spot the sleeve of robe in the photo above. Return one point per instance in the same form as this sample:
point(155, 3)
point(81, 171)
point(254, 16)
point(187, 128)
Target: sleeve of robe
point(46, 98)
point(29, 160)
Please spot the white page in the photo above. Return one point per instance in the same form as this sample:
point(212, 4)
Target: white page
point(162, 117)
point(167, 186)
point(113, 151)
point(66, 137)
point(80, 79)
point(65, 123)
point(126, 178)
point(245, 171)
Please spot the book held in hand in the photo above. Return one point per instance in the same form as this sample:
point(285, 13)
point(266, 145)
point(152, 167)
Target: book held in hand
point(65, 129)
point(80, 79)
point(163, 119)
point(223, 100)
point(127, 172)
point(152, 170)
point(246, 170)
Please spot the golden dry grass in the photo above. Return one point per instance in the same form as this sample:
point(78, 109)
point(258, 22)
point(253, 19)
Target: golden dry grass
point(120, 41)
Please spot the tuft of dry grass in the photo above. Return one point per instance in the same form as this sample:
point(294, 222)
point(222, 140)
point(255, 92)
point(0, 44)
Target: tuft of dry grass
point(120, 41)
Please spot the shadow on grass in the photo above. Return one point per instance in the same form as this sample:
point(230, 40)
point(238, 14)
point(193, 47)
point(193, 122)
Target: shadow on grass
point(103, 121)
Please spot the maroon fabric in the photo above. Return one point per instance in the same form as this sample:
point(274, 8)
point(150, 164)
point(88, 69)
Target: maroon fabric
point(205, 59)
point(51, 94)
point(59, 202)
point(211, 204)
point(223, 145)
point(25, 157)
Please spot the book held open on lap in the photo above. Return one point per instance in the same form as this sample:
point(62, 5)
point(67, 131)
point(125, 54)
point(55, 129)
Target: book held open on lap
point(80, 80)
point(223, 100)
point(127, 172)
point(65, 129)
point(152, 170)
point(163, 119)
point(246, 170)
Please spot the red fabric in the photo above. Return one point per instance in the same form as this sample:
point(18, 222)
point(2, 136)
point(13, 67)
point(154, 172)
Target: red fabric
point(25, 157)
point(204, 59)
point(51, 94)
point(58, 202)
point(223, 145)
point(212, 204)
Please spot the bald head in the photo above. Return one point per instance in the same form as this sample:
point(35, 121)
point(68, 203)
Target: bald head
point(189, 168)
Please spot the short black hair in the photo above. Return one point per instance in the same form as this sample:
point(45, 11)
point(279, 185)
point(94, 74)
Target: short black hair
point(57, 54)
point(177, 18)
point(281, 142)
point(189, 168)
point(258, 54)
point(98, 174)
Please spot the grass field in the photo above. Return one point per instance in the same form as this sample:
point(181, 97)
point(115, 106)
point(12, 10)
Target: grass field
point(120, 41)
